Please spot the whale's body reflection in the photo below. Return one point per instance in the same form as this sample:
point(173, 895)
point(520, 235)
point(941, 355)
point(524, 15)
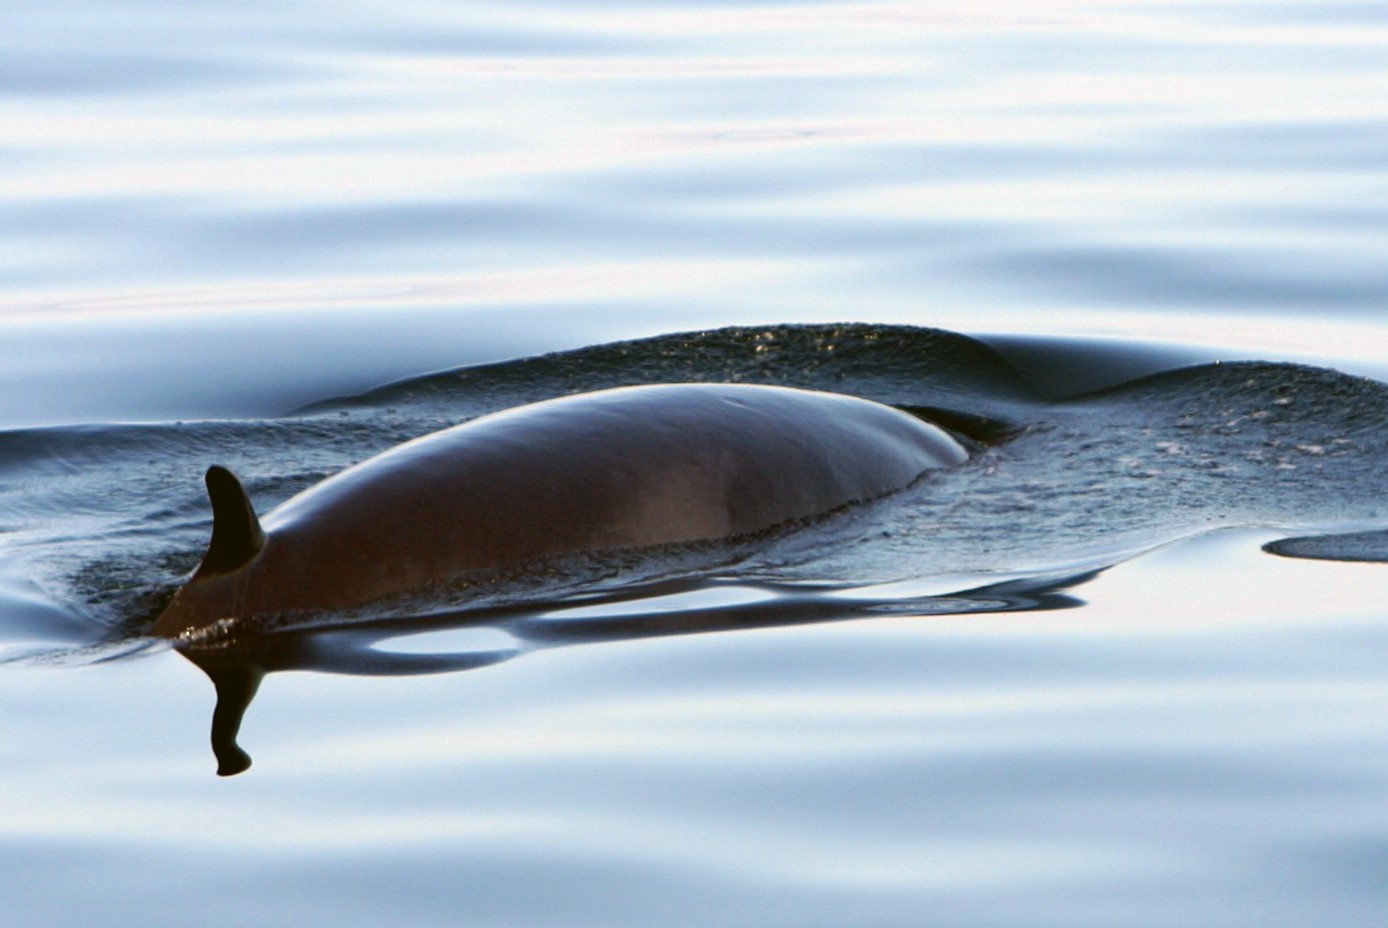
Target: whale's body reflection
point(236, 664)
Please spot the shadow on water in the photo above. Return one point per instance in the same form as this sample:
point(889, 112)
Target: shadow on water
point(237, 663)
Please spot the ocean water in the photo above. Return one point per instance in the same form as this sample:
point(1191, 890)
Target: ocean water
point(1124, 667)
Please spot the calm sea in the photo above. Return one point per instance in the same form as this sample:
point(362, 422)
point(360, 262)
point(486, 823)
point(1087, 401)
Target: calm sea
point(1065, 686)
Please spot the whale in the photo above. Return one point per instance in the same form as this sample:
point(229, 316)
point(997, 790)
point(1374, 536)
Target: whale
point(626, 468)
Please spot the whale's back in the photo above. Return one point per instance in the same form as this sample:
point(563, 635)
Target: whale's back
point(625, 468)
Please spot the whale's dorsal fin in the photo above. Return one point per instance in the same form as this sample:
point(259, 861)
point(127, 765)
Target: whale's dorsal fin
point(236, 533)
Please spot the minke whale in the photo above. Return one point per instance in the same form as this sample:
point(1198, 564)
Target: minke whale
point(625, 468)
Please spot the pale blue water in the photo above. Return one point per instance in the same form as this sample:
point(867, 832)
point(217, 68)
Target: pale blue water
point(226, 213)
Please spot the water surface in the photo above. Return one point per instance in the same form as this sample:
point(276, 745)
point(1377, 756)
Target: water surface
point(1064, 685)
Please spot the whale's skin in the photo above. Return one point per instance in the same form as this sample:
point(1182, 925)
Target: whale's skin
point(624, 468)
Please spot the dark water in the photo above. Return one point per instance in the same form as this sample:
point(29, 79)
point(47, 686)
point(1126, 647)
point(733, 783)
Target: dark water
point(1122, 668)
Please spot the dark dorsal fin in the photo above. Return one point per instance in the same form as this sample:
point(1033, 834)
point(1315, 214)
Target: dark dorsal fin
point(236, 532)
